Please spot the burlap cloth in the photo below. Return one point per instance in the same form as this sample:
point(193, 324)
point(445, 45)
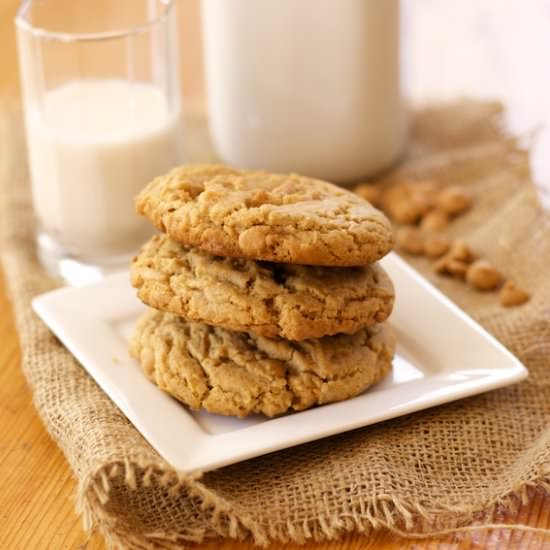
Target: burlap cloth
point(425, 472)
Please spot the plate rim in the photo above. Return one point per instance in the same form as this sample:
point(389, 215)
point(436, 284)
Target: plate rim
point(45, 306)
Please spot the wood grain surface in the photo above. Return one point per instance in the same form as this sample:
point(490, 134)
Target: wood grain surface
point(36, 484)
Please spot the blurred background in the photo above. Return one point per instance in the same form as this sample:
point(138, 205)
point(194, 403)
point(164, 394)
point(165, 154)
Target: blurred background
point(497, 49)
point(488, 48)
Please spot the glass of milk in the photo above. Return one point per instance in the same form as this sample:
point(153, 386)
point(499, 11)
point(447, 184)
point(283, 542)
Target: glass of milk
point(312, 86)
point(102, 110)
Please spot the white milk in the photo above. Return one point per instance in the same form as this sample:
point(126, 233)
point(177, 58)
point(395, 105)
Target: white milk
point(90, 154)
point(311, 86)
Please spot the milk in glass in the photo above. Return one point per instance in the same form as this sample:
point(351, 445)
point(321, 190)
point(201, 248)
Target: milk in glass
point(102, 102)
point(93, 145)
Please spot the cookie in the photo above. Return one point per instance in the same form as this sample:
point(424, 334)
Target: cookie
point(272, 217)
point(236, 373)
point(274, 300)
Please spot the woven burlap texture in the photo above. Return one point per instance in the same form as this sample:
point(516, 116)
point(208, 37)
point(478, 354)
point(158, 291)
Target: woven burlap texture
point(429, 471)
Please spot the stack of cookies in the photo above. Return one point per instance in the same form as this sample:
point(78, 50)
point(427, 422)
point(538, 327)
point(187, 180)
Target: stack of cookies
point(264, 291)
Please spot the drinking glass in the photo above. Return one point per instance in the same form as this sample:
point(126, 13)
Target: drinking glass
point(102, 107)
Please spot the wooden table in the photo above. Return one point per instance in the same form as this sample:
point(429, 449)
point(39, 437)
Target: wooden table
point(36, 484)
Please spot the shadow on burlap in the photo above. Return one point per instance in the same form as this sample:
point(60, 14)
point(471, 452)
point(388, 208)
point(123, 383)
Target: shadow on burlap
point(421, 473)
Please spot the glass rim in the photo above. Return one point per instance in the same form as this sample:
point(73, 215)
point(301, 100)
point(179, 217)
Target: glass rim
point(23, 23)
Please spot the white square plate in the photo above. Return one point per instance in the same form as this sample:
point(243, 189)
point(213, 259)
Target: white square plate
point(442, 355)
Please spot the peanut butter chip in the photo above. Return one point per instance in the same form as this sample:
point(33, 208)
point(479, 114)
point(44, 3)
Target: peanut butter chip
point(407, 201)
point(410, 240)
point(436, 220)
point(482, 275)
point(457, 268)
point(456, 261)
point(462, 252)
point(436, 245)
point(440, 266)
point(454, 200)
point(370, 192)
point(423, 196)
point(448, 266)
point(398, 204)
point(511, 295)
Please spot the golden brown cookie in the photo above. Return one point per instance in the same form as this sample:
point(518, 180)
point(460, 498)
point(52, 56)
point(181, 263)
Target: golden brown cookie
point(261, 216)
point(291, 301)
point(236, 373)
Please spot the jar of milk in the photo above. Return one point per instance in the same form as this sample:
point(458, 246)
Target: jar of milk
point(311, 86)
point(103, 117)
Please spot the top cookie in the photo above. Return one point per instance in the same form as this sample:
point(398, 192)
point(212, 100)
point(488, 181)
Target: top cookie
point(273, 217)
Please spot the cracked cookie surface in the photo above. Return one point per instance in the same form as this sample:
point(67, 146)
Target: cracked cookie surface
point(236, 373)
point(270, 299)
point(262, 216)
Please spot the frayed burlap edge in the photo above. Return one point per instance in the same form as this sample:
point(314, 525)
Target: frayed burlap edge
point(407, 519)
